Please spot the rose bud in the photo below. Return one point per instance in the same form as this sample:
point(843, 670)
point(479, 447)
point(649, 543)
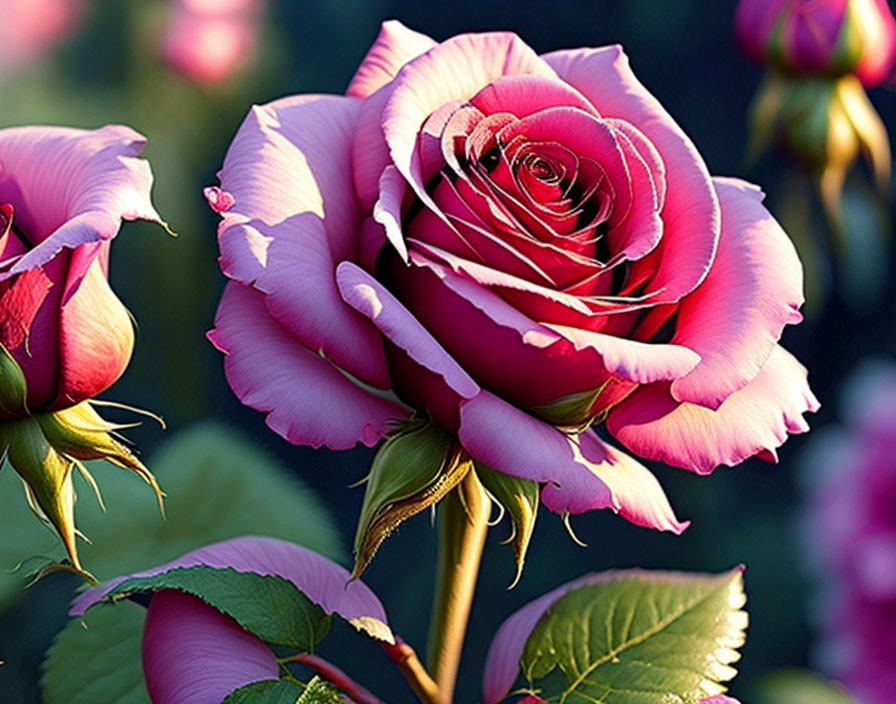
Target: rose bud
point(487, 255)
point(64, 335)
point(819, 54)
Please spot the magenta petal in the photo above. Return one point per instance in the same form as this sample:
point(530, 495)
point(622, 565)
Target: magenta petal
point(320, 579)
point(370, 298)
point(309, 401)
point(719, 699)
point(394, 46)
point(293, 218)
point(752, 291)
point(194, 654)
point(691, 210)
point(756, 419)
point(582, 472)
point(453, 70)
point(70, 186)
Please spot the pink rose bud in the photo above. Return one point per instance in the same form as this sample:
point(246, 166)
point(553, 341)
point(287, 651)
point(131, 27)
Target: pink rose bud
point(64, 335)
point(830, 37)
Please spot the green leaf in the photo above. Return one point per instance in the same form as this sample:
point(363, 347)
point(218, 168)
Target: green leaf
point(96, 659)
point(520, 498)
point(639, 638)
point(412, 470)
point(794, 686)
point(268, 606)
point(219, 486)
point(267, 692)
point(319, 691)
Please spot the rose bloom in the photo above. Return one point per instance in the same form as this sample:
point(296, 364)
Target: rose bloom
point(63, 195)
point(518, 247)
point(820, 36)
point(850, 529)
point(209, 41)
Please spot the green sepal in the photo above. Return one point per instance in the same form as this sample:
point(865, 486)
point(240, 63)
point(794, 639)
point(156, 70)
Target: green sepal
point(639, 637)
point(13, 388)
point(574, 411)
point(414, 469)
point(269, 606)
point(271, 692)
point(47, 475)
point(520, 498)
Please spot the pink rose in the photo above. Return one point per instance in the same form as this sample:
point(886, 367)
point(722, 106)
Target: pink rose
point(517, 246)
point(63, 195)
point(820, 36)
point(208, 41)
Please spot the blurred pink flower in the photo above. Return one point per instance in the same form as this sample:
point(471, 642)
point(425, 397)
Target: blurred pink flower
point(851, 530)
point(209, 41)
point(29, 28)
point(831, 37)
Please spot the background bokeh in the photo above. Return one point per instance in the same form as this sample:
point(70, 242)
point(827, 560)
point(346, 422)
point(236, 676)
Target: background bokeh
point(110, 70)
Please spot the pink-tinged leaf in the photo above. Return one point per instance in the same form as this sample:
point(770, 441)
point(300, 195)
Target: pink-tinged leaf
point(735, 318)
point(754, 420)
point(294, 219)
point(194, 654)
point(320, 579)
point(309, 400)
point(393, 47)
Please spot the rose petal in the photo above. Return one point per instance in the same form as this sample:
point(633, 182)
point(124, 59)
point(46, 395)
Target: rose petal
point(755, 419)
point(370, 298)
point(691, 210)
point(284, 236)
point(70, 187)
point(393, 47)
point(309, 401)
point(735, 318)
point(194, 654)
point(320, 579)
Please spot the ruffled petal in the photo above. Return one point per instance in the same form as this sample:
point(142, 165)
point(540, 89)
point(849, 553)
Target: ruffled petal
point(393, 47)
point(735, 318)
point(309, 400)
point(194, 654)
point(320, 579)
point(70, 187)
point(754, 420)
point(691, 209)
point(583, 473)
point(293, 218)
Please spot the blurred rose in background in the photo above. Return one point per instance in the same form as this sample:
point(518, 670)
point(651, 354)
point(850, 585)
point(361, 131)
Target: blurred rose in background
point(851, 533)
point(30, 28)
point(209, 40)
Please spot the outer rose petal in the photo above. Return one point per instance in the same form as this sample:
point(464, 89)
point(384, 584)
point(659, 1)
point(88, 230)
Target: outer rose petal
point(70, 187)
point(394, 46)
point(309, 400)
point(691, 210)
point(294, 218)
point(754, 288)
point(587, 474)
point(754, 420)
point(194, 654)
point(320, 579)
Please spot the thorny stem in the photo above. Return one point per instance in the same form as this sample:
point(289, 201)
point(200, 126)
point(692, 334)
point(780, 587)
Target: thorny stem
point(463, 524)
point(337, 677)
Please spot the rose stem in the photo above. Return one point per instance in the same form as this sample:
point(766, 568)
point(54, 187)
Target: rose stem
point(463, 524)
point(407, 662)
point(338, 678)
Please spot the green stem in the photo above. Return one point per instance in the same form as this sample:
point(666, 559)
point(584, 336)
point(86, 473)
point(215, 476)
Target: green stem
point(463, 525)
